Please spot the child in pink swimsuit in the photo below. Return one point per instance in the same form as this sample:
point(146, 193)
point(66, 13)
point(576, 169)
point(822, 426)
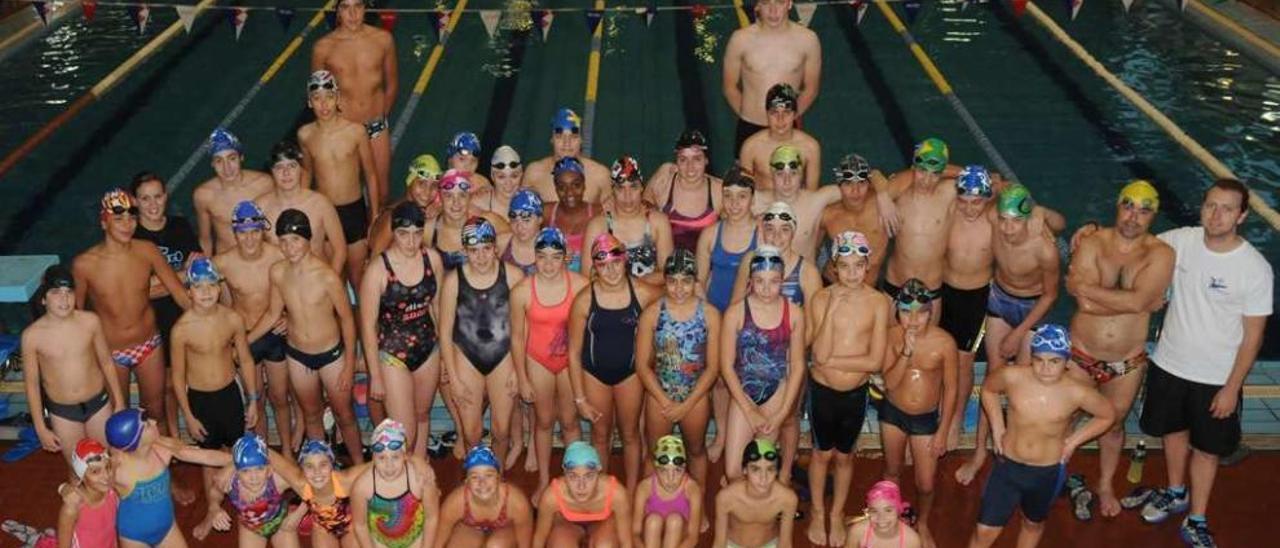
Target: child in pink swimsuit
point(671, 499)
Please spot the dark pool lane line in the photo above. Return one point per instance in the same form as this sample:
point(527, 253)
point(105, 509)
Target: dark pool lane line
point(498, 115)
point(1173, 207)
point(692, 101)
point(16, 230)
point(894, 117)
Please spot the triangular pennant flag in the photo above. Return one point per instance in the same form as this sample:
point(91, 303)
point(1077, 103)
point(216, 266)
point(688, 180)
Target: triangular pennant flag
point(239, 17)
point(285, 16)
point(1019, 7)
point(389, 19)
point(593, 20)
point(89, 9)
point(442, 20)
point(749, 7)
point(805, 11)
point(912, 8)
point(1074, 6)
point(143, 14)
point(544, 20)
point(1127, 4)
point(331, 19)
point(187, 14)
point(42, 9)
point(861, 7)
point(649, 12)
point(490, 19)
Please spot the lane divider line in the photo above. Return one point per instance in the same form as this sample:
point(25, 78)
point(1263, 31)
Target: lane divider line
point(593, 81)
point(420, 87)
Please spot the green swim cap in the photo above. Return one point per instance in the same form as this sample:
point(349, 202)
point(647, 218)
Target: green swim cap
point(786, 157)
point(761, 448)
point(423, 167)
point(1015, 201)
point(931, 155)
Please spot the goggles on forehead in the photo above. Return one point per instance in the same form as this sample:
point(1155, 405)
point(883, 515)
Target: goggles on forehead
point(929, 163)
point(767, 261)
point(668, 460)
point(394, 445)
point(605, 255)
point(513, 164)
point(851, 249)
point(852, 175)
point(753, 456)
point(521, 215)
point(327, 85)
point(793, 165)
point(784, 216)
point(574, 130)
point(456, 182)
point(120, 210)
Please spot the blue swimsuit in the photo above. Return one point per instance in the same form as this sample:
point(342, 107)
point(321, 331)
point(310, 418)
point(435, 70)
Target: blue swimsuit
point(146, 515)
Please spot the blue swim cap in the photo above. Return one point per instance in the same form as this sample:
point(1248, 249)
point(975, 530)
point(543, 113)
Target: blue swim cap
point(124, 429)
point(568, 163)
point(566, 120)
point(249, 452)
point(974, 181)
point(525, 200)
point(478, 230)
point(202, 271)
point(464, 142)
point(580, 454)
point(480, 455)
point(248, 216)
point(550, 237)
point(315, 447)
point(222, 140)
point(1051, 338)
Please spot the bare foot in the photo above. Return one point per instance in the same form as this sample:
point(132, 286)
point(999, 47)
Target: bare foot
point(970, 468)
point(201, 530)
point(1108, 502)
point(715, 449)
point(837, 528)
point(182, 495)
point(817, 529)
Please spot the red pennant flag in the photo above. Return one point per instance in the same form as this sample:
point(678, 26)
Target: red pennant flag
point(698, 12)
point(89, 8)
point(42, 9)
point(389, 19)
point(1019, 7)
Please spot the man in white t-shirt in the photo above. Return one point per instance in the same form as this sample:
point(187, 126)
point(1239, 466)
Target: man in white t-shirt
point(1221, 297)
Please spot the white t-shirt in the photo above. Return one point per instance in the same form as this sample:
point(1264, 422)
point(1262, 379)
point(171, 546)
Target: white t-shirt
point(1211, 294)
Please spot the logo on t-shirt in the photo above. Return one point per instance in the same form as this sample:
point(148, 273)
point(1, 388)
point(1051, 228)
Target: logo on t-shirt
point(1218, 284)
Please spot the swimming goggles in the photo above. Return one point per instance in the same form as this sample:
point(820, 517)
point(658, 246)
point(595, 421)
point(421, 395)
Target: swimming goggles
point(784, 216)
point(665, 460)
point(394, 445)
point(606, 255)
point(793, 165)
point(513, 164)
point(455, 182)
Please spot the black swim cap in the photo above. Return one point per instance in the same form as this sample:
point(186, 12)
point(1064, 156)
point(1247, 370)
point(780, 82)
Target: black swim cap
point(737, 177)
point(407, 214)
point(292, 221)
point(691, 138)
point(913, 294)
point(286, 150)
point(58, 276)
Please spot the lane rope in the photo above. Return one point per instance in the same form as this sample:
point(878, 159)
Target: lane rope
point(593, 82)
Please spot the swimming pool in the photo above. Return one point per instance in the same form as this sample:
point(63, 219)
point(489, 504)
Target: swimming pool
point(1061, 129)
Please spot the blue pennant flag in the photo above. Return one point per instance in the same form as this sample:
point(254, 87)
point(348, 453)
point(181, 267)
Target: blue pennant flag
point(331, 19)
point(285, 16)
point(593, 20)
point(42, 9)
point(912, 7)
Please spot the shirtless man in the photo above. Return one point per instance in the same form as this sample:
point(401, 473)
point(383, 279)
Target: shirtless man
point(850, 321)
point(214, 199)
point(756, 509)
point(781, 103)
point(857, 212)
point(1034, 449)
point(288, 193)
point(920, 394)
point(786, 165)
point(363, 58)
point(246, 271)
point(566, 141)
point(321, 344)
point(65, 359)
point(772, 50)
point(1118, 277)
point(915, 206)
point(336, 152)
point(1023, 290)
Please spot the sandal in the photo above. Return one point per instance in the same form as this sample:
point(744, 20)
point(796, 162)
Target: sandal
point(1082, 498)
point(1137, 497)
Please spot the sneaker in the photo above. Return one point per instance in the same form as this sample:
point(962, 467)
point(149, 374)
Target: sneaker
point(1242, 451)
point(1138, 497)
point(1196, 534)
point(1162, 505)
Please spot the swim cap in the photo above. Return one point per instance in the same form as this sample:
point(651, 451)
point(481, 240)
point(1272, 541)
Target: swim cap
point(202, 271)
point(850, 243)
point(58, 276)
point(780, 211)
point(249, 452)
point(852, 169)
point(931, 155)
point(407, 214)
point(607, 248)
point(388, 433)
point(568, 163)
point(505, 157)
point(781, 96)
point(88, 451)
point(681, 262)
point(478, 230)
point(786, 157)
point(293, 221)
point(322, 80)
point(463, 143)
point(455, 179)
point(625, 170)
point(286, 151)
point(1141, 194)
point(1051, 338)
point(974, 181)
point(525, 200)
point(767, 257)
point(691, 138)
point(480, 455)
point(1015, 201)
point(914, 294)
point(248, 216)
point(315, 447)
point(124, 429)
point(566, 120)
point(423, 167)
point(581, 454)
point(761, 448)
point(737, 177)
point(118, 202)
point(550, 237)
point(669, 451)
point(887, 491)
point(222, 140)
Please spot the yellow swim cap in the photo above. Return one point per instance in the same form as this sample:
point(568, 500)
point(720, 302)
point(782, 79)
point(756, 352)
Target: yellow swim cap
point(1141, 194)
point(423, 167)
point(786, 157)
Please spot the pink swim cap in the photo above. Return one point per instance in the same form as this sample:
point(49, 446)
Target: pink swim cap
point(888, 491)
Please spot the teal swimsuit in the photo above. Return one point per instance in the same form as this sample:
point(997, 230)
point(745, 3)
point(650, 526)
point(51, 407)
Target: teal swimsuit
point(146, 515)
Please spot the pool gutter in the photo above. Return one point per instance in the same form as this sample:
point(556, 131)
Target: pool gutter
point(1239, 25)
point(23, 26)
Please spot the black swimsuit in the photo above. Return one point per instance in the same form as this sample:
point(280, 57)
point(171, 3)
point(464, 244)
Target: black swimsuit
point(609, 351)
point(482, 328)
point(406, 331)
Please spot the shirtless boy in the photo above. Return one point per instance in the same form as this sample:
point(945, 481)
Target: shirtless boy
point(321, 344)
point(1118, 276)
point(214, 199)
point(65, 359)
point(288, 193)
point(756, 510)
point(850, 321)
point(857, 212)
point(772, 50)
point(1023, 290)
point(916, 205)
point(786, 166)
point(1035, 447)
point(363, 58)
point(566, 142)
point(781, 103)
point(336, 152)
point(920, 394)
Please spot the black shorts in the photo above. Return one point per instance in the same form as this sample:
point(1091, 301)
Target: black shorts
point(268, 348)
point(835, 416)
point(964, 315)
point(744, 131)
point(924, 424)
point(77, 412)
point(222, 414)
point(354, 218)
point(1174, 404)
point(1013, 484)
